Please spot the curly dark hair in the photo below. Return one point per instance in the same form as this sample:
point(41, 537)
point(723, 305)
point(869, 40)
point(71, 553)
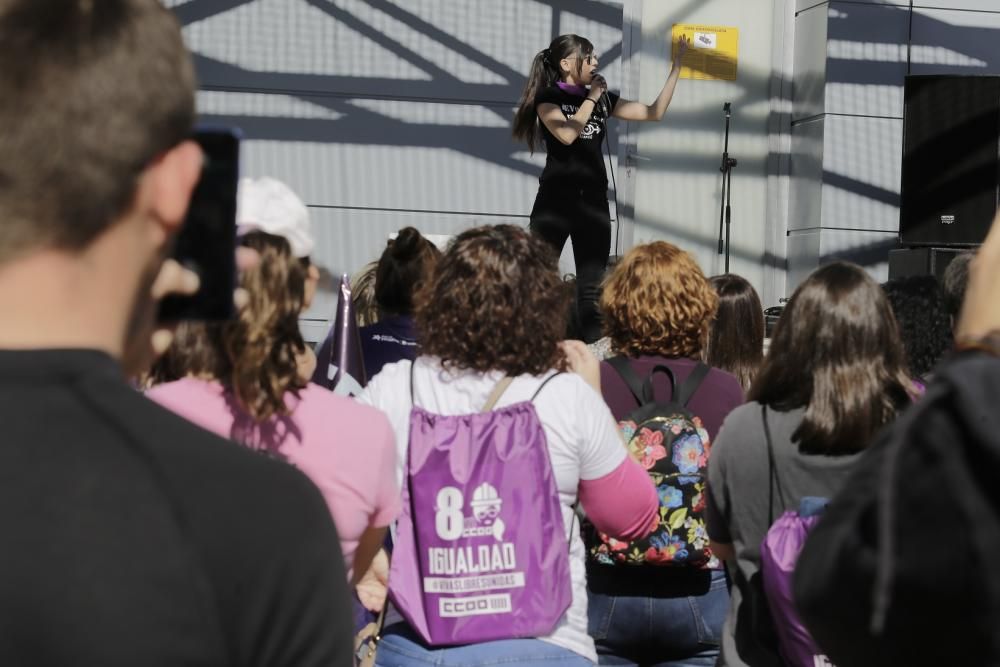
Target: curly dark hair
point(494, 301)
point(923, 312)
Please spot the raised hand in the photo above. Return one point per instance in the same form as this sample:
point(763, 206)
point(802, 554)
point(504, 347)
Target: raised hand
point(682, 47)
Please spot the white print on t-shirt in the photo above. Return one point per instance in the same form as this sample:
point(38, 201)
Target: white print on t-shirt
point(591, 129)
point(386, 338)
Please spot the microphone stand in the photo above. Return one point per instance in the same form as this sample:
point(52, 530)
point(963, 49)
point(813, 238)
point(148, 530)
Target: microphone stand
point(725, 210)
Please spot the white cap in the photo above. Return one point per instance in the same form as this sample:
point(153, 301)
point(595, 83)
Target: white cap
point(268, 205)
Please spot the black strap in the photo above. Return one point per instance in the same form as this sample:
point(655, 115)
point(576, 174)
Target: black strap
point(622, 366)
point(687, 389)
point(413, 396)
point(542, 386)
point(642, 391)
point(773, 481)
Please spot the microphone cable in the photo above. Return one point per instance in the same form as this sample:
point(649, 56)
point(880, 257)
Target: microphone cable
point(611, 164)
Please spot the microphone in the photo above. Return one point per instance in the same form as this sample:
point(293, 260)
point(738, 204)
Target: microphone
point(605, 103)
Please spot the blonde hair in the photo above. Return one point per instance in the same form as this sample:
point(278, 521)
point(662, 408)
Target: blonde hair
point(657, 301)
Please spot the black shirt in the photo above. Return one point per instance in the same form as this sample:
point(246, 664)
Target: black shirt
point(132, 537)
point(581, 163)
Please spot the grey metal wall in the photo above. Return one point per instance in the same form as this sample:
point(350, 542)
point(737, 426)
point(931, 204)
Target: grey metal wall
point(676, 177)
point(847, 127)
point(384, 113)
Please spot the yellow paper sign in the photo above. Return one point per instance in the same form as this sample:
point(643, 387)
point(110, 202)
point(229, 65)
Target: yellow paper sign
point(713, 53)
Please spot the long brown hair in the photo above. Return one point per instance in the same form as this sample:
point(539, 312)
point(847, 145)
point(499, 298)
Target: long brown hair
point(836, 352)
point(545, 72)
point(264, 342)
point(495, 301)
point(736, 337)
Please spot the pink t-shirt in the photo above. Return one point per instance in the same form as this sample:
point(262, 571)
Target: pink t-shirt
point(347, 449)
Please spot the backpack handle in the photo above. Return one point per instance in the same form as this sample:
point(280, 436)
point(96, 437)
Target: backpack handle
point(643, 391)
point(647, 386)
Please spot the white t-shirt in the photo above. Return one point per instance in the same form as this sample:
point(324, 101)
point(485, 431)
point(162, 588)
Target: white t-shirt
point(583, 443)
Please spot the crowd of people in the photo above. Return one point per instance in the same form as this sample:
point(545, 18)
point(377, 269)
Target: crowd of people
point(496, 493)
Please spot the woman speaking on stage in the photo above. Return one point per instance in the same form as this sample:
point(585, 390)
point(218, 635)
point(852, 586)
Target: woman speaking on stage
point(566, 104)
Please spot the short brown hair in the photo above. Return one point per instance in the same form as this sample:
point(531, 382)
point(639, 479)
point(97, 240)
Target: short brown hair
point(91, 91)
point(495, 301)
point(657, 301)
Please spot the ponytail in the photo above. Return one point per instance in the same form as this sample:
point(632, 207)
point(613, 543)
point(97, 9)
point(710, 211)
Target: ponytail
point(542, 75)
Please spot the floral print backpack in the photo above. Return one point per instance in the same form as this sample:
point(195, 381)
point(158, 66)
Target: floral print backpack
point(673, 446)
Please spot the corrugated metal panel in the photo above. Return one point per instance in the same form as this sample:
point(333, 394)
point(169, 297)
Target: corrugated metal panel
point(385, 113)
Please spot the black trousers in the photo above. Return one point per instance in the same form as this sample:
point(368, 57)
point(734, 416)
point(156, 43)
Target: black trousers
point(582, 215)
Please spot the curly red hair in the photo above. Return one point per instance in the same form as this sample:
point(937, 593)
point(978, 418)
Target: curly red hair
point(657, 301)
point(494, 301)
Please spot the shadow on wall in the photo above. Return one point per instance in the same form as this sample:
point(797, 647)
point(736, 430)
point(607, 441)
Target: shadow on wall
point(498, 87)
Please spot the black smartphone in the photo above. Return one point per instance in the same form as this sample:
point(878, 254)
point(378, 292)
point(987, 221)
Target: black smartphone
point(206, 243)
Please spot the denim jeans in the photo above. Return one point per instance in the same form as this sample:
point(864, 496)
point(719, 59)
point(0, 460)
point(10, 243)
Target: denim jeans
point(674, 631)
point(401, 647)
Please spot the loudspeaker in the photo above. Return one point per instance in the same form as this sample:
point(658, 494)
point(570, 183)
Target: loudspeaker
point(921, 261)
point(950, 186)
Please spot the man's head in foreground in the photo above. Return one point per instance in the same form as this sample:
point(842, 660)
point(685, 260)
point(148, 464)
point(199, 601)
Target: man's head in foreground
point(96, 170)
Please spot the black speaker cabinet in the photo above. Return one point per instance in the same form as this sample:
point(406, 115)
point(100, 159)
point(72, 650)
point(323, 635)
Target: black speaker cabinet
point(950, 186)
point(921, 261)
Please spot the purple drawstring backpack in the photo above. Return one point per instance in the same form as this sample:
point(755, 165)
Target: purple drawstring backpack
point(779, 551)
point(481, 551)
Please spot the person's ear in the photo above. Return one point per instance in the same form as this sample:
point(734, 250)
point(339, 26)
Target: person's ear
point(170, 181)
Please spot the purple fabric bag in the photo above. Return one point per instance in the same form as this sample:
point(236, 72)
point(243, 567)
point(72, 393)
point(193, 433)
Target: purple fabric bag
point(779, 551)
point(481, 551)
point(778, 554)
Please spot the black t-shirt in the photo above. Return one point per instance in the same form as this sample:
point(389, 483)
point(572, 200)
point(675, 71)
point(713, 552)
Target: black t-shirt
point(581, 163)
point(132, 537)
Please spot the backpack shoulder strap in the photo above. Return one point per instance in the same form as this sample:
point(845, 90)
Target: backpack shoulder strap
point(497, 392)
point(772, 482)
point(686, 391)
point(622, 366)
point(413, 396)
point(542, 386)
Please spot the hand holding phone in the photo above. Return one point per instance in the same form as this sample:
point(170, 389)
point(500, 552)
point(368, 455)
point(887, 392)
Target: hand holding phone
point(206, 244)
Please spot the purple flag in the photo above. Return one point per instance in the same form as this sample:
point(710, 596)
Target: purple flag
point(340, 365)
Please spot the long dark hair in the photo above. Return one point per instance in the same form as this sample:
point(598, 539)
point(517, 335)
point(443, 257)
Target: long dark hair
point(836, 352)
point(736, 337)
point(544, 73)
point(405, 263)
